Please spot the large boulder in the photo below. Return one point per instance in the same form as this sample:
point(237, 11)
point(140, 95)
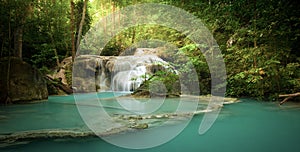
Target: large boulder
point(20, 82)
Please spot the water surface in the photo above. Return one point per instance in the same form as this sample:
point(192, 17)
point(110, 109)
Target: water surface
point(245, 126)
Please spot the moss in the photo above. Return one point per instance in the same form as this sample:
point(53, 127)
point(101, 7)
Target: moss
point(68, 74)
point(52, 90)
point(23, 82)
point(161, 84)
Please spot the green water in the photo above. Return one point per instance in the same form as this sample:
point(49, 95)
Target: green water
point(245, 126)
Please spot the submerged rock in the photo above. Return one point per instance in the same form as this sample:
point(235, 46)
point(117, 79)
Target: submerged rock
point(140, 126)
point(9, 139)
point(20, 82)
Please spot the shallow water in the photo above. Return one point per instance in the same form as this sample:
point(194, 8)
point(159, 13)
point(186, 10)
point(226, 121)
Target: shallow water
point(245, 126)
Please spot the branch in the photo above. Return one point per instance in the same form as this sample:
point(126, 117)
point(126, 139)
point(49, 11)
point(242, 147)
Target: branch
point(63, 87)
point(288, 96)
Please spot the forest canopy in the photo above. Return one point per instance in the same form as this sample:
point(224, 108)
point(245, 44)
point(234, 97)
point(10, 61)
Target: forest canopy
point(259, 39)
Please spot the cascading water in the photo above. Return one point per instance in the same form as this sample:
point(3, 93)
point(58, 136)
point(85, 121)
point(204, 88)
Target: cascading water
point(128, 80)
point(102, 78)
point(116, 73)
point(129, 72)
point(126, 73)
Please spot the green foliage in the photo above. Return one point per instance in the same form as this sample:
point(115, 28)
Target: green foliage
point(194, 59)
point(259, 40)
point(78, 14)
point(44, 70)
point(163, 82)
point(134, 35)
point(13, 15)
point(112, 49)
point(259, 50)
point(167, 78)
point(68, 74)
point(46, 34)
point(290, 75)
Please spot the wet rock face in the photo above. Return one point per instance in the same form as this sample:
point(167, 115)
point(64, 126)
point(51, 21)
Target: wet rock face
point(88, 73)
point(20, 82)
point(114, 73)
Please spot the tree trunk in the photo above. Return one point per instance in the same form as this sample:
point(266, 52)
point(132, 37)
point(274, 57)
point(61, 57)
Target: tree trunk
point(60, 85)
point(55, 51)
point(254, 36)
point(134, 28)
point(21, 15)
point(81, 24)
point(102, 13)
point(133, 36)
point(7, 99)
point(73, 51)
point(18, 41)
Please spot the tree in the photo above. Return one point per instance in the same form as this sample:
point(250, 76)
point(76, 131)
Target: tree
point(15, 14)
point(259, 39)
point(81, 23)
point(73, 51)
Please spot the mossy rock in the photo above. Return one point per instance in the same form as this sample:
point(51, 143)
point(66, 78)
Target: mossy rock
point(140, 126)
point(20, 82)
point(162, 88)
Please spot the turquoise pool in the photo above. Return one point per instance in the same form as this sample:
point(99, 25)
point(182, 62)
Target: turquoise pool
point(245, 126)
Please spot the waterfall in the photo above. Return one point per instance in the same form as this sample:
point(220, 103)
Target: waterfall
point(103, 80)
point(129, 72)
point(115, 73)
